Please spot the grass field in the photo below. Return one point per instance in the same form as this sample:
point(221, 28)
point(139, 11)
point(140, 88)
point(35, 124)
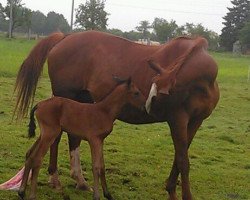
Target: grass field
point(139, 157)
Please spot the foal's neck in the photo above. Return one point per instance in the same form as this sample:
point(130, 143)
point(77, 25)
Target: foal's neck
point(115, 101)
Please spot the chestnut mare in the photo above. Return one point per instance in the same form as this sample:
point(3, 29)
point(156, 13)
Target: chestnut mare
point(91, 122)
point(179, 79)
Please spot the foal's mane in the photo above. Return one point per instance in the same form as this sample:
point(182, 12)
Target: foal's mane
point(118, 83)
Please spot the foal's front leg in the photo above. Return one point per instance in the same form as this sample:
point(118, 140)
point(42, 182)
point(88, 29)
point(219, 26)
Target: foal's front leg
point(98, 168)
point(75, 163)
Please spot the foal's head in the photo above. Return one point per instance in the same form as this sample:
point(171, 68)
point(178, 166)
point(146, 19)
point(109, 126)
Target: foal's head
point(133, 94)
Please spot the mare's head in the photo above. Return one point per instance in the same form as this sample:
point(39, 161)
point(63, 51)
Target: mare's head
point(164, 79)
point(163, 82)
point(133, 94)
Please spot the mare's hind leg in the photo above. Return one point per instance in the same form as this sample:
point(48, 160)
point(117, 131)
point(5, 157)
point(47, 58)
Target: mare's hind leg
point(52, 169)
point(98, 168)
point(192, 128)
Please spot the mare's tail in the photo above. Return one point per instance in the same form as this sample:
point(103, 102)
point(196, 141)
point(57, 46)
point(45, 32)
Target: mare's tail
point(30, 72)
point(32, 124)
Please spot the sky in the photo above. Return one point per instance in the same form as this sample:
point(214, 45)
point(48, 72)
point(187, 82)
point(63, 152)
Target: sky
point(126, 15)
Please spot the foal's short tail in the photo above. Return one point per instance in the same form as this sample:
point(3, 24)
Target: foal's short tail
point(30, 72)
point(32, 124)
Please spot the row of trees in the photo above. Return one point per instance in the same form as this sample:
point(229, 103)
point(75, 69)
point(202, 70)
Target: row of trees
point(26, 20)
point(236, 25)
point(92, 16)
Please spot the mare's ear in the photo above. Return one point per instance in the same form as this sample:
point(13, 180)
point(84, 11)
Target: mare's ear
point(119, 80)
point(129, 82)
point(155, 66)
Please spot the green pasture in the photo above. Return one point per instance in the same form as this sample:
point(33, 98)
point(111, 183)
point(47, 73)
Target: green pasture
point(139, 157)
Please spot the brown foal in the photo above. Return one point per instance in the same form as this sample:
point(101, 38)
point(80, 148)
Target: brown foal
point(91, 122)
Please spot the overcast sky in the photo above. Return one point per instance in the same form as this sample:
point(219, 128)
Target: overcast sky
point(126, 15)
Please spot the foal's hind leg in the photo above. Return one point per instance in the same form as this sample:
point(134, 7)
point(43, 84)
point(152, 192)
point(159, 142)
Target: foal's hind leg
point(28, 166)
point(48, 135)
point(36, 164)
point(21, 191)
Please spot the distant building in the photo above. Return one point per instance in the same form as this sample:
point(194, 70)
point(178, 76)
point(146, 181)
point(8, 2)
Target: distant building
point(237, 47)
point(148, 42)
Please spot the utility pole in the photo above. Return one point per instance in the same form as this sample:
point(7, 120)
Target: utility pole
point(11, 18)
point(72, 15)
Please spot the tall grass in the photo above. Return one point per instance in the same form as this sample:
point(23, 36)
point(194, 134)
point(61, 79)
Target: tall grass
point(138, 158)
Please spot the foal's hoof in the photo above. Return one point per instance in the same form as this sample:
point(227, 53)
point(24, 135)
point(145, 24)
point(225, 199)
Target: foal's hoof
point(84, 187)
point(21, 194)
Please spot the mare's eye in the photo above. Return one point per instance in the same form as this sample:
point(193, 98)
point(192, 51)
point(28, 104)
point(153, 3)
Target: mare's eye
point(136, 94)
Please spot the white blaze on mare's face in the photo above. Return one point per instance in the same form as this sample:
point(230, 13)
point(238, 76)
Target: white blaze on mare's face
point(152, 93)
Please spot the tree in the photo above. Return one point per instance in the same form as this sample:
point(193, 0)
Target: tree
point(164, 30)
point(196, 30)
point(235, 20)
point(199, 30)
point(91, 15)
point(1, 11)
point(3, 21)
point(38, 21)
point(115, 31)
point(26, 20)
point(244, 36)
point(56, 22)
point(132, 35)
point(144, 27)
point(17, 13)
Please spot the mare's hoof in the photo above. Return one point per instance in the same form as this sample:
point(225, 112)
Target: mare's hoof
point(54, 182)
point(55, 186)
point(96, 198)
point(108, 196)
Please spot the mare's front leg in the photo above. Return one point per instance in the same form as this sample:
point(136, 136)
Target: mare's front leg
point(75, 163)
point(98, 168)
point(178, 125)
point(193, 126)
